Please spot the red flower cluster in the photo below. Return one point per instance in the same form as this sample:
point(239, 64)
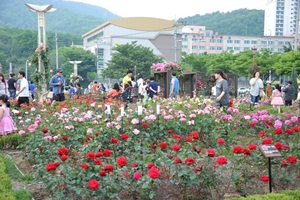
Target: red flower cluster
point(44, 130)
point(144, 125)
point(221, 160)
point(176, 137)
point(177, 161)
point(64, 157)
point(261, 134)
point(137, 175)
point(278, 145)
point(163, 145)
point(91, 155)
point(284, 163)
point(289, 131)
point(295, 128)
point(197, 150)
point(264, 178)
point(93, 184)
point(114, 141)
point(150, 165)
point(122, 161)
point(154, 173)
point(238, 149)
point(277, 131)
point(267, 141)
point(194, 135)
point(108, 168)
point(170, 131)
point(107, 152)
point(52, 166)
point(211, 153)
point(292, 159)
point(97, 161)
point(252, 124)
point(220, 141)
point(134, 164)
point(252, 146)
point(84, 166)
point(189, 161)
point(124, 136)
point(176, 147)
point(64, 137)
point(62, 151)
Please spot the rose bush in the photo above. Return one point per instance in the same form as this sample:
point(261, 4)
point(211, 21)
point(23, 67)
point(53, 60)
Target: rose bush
point(80, 151)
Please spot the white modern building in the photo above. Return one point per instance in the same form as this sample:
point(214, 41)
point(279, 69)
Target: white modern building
point(198, 40)
point(280, 17)
point(160, 35)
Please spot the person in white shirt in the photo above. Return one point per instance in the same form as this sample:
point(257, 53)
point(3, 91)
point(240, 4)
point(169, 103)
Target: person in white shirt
point(23, 93)
point(256, 86)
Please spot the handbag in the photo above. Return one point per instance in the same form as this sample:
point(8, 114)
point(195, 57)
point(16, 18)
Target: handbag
point(262, 93)
point(49, 95)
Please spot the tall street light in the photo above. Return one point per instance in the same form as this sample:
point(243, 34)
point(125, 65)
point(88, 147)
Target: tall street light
point(75, 63)
point(41, 41)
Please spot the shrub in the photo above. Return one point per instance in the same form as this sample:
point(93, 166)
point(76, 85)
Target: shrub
point(6, 191)
point(11, 141)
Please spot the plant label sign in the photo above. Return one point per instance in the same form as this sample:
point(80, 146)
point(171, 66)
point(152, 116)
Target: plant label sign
point(270, 151)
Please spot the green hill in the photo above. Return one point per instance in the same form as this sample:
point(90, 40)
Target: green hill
point(72, 17)
point(237, 22)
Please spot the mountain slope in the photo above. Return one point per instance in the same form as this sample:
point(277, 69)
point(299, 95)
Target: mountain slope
point(73, 17)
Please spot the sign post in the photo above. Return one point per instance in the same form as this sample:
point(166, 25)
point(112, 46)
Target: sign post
point(270, 151)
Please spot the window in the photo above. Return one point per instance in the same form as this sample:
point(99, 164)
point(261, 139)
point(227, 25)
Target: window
point(184, 46)
point(246, 41)
point(280, 42)
point(219, 40)
point(229, 48)
point(264, 42)
point(246, 48)
point(184, 39)
point(194, 47)
point(229, 41)
point(212, 40)
point(202, 48)
point(220, 48)
point(237, 48)
point(195, 40)
point(253, 42)
point(212, 48)
point(236, 41)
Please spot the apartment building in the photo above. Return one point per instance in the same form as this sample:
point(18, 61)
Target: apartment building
point(198, 40)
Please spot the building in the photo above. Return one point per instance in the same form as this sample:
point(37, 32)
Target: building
point(198, 40)
point(160, 35)
point(280, 17)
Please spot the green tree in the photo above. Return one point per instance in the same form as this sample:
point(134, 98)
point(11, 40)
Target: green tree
point(127, 56)
point(285, 63)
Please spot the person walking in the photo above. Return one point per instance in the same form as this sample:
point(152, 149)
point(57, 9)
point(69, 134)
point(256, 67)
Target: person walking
point(222, 94)
point(31, 89)
point(7, 125)
point(12, 86)
point(57, 82)
point(153, 87)
point(256, 85)
point(277, 99)
point(23, 93)
point(289, 91)
point(174, 86)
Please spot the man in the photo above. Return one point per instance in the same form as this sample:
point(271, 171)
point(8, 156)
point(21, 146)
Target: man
point(23, 93)
point(12, 85)
point(127, 78)
point(153, 87)
point(57, 82)
point(31, 89)
point(289, 91)
point(174, 86)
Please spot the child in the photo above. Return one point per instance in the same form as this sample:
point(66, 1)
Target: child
point(6, 122)
point(277, 99)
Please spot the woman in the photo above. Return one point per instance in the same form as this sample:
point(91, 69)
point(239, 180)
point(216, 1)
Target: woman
point(222, 94)
point(256, 86)
point(114, 93)
point(7, 125)
point(3, 85)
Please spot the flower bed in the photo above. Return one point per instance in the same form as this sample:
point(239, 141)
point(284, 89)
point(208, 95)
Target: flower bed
point(190, 149)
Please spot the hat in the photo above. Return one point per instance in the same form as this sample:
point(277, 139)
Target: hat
point(58, 70)
point(268, 82)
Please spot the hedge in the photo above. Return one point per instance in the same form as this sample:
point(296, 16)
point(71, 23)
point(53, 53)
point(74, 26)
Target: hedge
point(11, 141)
point(6, 191)
point(284, 195)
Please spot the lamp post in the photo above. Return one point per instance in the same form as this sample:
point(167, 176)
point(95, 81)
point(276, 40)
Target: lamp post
point(26, 66)
point(75, 63)
point(254, 49)
point(41, 42)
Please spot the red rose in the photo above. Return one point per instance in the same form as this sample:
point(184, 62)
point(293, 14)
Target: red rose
point(285, 147)
point(264, 178)
point(267, 141)
point(189, 161)
point(252, 146)
point(102, 173)
point(56, 164)
point(41, 148)
point(88, 137)
point(284, 163)
point(93, 184)
point(291, 159)
point(194, 135)
point(150, 165)
point(261, 134)
point(84, 166)
point(188, 139)
point(114, 140)
point(107, 152)
point(163, 145)
point(97, 133)
point(289, 131)
point(221, 160)
point(64, 157)
point(177, 161)
point(277, 131)
point(99, 154)
point(51, 167)
point(62, 151)
point(237, 149)
point(198, 169)
point(134, 164)
point(125, 174)
point(137, 175)
point(44, 130)
point(108, 168)
point(220, 141)
point(295, 128)
point(124, 136)
point(176, 137)
point(153, 173)
point(170, 131)
point(211, 153)
point(97, 161)
point(144, 125)
point(270, 123)
point(84, 143)
point(153, 146)
point(246, 151)
point(176, 147)
point(91, 155)
point(278, 145)
point(64, 137)
point(252, 124)
point(122, 161)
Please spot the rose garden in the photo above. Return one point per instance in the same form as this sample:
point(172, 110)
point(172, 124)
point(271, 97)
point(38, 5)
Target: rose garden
point(171, 150)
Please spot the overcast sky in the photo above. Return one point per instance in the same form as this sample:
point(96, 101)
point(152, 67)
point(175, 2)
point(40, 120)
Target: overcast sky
point(171, 9)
